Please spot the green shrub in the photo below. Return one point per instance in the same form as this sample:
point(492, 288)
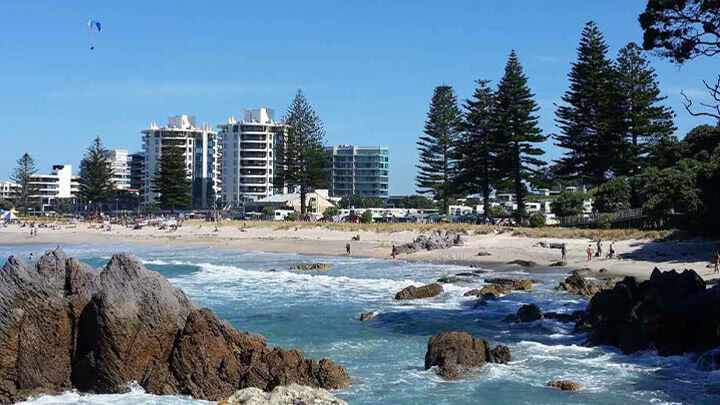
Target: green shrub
point(293, 216)
point(330, 212)
point(537, 220)
point(366, 217)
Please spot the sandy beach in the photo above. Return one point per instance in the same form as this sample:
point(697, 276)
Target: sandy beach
point(636, 257)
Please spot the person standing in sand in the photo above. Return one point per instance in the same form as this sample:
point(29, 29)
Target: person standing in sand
point(563, 251)
point(598, 253)
point(394, 251)
point(589, 252)
point(347, 248)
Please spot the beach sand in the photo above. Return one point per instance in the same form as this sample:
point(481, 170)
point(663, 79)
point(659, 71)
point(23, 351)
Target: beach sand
point(638, 257)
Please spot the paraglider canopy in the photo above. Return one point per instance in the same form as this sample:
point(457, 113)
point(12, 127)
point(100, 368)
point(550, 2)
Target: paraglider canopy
point(94, 25)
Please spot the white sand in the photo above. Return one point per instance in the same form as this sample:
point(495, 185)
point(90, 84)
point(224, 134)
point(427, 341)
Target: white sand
point(641, 256)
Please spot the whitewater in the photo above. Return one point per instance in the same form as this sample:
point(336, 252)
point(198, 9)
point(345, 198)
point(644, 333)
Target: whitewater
point(316, 312)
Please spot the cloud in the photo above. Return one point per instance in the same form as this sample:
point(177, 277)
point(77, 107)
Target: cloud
point(691, 92)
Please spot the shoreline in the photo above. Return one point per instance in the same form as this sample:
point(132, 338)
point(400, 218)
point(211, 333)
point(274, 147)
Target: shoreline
point(640, 256)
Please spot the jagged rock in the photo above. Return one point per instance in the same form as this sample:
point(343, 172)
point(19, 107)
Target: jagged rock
point(574, 317)
point(426, 291)
point(523, 263)
point(672, 312)
point(436, 240)
point(64, 325)
point(368, 316)
point(578, 285)
point(283, 395)
point(491, 290)
point(458, 353)
point(515, 285)
point(312, 266)
point(558, 264)
point(526, 313)
point(564, 385)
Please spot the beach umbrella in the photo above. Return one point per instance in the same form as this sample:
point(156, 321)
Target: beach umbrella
point(8, 216)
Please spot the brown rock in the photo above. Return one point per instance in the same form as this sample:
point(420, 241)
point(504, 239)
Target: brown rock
point(312, 266)
point(564, 385)
point(519, 285)
point(578, 285)
point(367, 316)
point(458, 353)
point(426, 291)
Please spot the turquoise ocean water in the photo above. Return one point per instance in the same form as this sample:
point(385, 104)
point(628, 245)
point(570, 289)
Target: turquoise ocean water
point(317, 313)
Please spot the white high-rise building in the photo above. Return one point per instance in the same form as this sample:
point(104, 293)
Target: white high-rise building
point(120, 168)
point(9, 190)
point(248, 163)
point(201, 152)
point(49, 188)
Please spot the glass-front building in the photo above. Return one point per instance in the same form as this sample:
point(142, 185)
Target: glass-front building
point(361, 170)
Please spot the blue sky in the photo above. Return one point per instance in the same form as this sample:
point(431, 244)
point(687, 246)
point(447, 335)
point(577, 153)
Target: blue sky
point(368, 67)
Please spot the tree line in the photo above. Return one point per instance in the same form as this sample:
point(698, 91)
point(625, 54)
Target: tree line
point(616, 133)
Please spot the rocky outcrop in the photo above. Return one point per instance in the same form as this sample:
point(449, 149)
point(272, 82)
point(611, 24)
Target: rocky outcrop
point(457, 354)
point(526, 313)
point(413, 293)
point(436, 240)
point(489, 292)
point(312, 266)
point(579, 285)
point(64, 325)
point(671, 312)
point(564, 385)
point(558, 264)
point(514, 285)
point(284, 395)
point(454, 280)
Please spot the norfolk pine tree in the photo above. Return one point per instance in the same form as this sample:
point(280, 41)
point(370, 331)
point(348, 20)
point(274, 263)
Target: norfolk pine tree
point(303, 162)
point(517, 132)
point(171, 180)
point(22, 175)
point(96, 183)
point(436, 168)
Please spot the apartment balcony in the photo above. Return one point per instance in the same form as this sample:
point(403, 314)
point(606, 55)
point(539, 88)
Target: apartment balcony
point(252, 163)
point(250, 180)
point(253, 145)
point(252, 137)
point(253, 155)
point(253, 190)
point(253, 172)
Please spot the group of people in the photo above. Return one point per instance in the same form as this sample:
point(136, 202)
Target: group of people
point(599, 251)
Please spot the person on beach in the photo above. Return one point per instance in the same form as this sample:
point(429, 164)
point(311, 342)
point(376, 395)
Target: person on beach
point(563, 250)
point(589, 252)
point(31, 257)
point(347, 248)
point(611, 254)
point(599, 248)
point(394, 251)
point(717, 262)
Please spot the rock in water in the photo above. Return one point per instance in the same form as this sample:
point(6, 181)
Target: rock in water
point(523, 263)
point(426, 291)
point(564, 385)
point(285, 395)
point(528, 313)
point(672, 312)
point(66, 326)
point(578, 285)
point(458, 353)
point(312, 266)
point(367, 316)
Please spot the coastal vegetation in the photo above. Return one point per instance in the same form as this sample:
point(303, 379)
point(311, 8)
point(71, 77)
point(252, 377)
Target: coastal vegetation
point(22, 176)
point(95, 180)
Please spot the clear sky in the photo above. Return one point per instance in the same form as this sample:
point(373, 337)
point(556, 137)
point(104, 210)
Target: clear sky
point(368, 67)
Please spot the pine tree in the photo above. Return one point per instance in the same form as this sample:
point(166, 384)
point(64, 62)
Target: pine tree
point(589, 120)
point(302, 160)
point(517, 133)
point(96, 183)
point(171, 180)
point(22, 175)
point(476, 149)
point(646, 121)
point(437, 147)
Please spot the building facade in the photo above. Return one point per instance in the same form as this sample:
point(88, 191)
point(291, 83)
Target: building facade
point(9, 190)
point(137, 168)
point(201, 152)
point(120, 168)
point(51, 189)
point(248, 164)
point(361, 170)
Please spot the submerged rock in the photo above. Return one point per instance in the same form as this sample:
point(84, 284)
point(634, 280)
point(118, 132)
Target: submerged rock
point(426, 291)
point(367, 316)
point(564, 385)
point(284, 395)
point(453, 280)
point(312, 266)
point(67, 326)
point(457, 354)
point(671, 312)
